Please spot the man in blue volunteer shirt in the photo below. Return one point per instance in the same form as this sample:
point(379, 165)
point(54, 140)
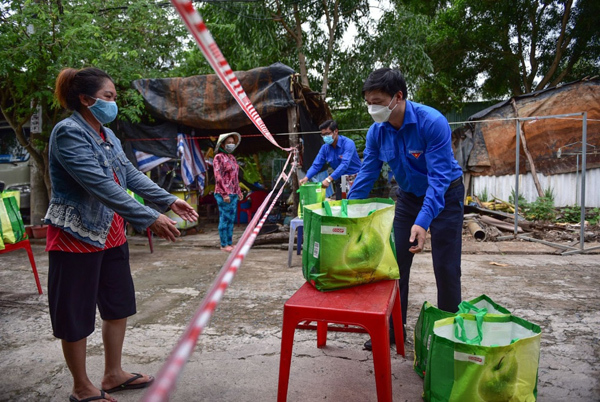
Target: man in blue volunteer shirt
point(339, 152)
point(415, 140)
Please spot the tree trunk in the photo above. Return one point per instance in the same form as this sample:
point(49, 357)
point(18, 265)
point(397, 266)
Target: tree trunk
point(299, 45)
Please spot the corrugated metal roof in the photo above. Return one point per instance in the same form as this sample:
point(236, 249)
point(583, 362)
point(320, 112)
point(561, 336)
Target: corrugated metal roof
point(485, 112)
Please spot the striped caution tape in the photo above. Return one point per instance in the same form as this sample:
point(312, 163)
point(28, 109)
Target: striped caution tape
point(167, 376)
point(212, 53)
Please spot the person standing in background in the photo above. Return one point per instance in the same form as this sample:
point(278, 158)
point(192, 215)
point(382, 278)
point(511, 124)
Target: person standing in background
point(339, 152)
point(227, 186)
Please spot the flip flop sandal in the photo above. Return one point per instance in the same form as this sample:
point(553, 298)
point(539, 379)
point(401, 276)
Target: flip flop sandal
point(91, 398)
point(127, 384)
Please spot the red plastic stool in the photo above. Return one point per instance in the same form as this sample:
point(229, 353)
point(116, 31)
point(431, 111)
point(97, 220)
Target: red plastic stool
point(27, 246)
point(368, 306)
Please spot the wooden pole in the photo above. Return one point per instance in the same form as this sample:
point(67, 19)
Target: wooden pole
point(538, 186)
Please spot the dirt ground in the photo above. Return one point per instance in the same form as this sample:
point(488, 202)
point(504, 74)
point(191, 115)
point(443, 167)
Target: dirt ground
point(237, 358)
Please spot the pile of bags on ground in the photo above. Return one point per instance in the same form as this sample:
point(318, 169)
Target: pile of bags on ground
point(482, 353)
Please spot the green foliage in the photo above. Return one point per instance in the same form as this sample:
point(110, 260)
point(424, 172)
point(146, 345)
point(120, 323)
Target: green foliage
point(569, 214)
point(483, 197)
point(247, 36)
point(397, 40)
point(593, 216)
point(496, 49)
point(549, 194)
point(129, 39)
point(522, 200)
point(541, 209)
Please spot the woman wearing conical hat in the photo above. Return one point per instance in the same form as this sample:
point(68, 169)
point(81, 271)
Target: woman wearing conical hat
point(227, 186)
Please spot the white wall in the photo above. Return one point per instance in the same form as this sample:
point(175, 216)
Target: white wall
point(566, 187)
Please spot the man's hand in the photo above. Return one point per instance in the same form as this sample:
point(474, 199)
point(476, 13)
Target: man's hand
point(417, 233)
point(184, 210)
point(327, 182)
point(164, 227)
point(303, 180)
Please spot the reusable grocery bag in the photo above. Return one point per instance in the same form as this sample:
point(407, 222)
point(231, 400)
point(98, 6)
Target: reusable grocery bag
point(349, 243)
point(12, 193)
point(2, 247)
point(310, 193)
point(430, 314)
point(13, 229)
point(481, 357)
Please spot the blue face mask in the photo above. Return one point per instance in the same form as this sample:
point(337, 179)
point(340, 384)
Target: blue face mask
point(328, 139)
point(104, 111)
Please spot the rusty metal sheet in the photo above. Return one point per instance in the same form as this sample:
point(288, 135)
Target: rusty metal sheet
point(203, 102)
point(493, 151)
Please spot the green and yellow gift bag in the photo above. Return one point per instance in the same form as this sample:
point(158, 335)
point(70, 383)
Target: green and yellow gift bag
point(349, 243)
point(310, 193)
point(13, 229)
point(430, 314)
point(488, 358)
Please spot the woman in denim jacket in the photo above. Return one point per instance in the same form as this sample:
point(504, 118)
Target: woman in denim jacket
point(86, 243)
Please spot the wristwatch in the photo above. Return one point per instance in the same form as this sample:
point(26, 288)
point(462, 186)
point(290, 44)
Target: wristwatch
point(328, 180)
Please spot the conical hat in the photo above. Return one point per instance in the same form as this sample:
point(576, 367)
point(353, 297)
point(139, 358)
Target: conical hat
point(236, 136)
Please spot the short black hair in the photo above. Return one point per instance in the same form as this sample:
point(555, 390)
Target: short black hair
point(329, 124)
point(388, 80)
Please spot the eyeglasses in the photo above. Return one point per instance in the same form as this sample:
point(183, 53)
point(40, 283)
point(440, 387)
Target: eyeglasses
point(326, 134)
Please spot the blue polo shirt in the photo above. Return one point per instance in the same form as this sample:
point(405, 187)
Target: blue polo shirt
point(343, 158)
point(420, 155)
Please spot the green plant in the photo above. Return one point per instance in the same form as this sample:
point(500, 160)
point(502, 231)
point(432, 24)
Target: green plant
point(570, 214)
point(541, 209)
point(593, 216)
point(522, 200)
point(549, 194)
point(483, 197)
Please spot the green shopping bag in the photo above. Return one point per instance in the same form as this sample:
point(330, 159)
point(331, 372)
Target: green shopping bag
point(2, 247)
point(430, 314)
point(349, 243)
point(12, 193)
point(490, 358)
point(13, 229)
point(310, 193)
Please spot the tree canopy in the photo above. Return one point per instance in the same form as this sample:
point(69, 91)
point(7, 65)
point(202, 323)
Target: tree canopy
point(450, 51)
point(40, 38)
point(496, 48)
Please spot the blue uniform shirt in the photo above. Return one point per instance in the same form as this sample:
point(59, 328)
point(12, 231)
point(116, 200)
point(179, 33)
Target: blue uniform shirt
point(420, 155)
point(343, 158)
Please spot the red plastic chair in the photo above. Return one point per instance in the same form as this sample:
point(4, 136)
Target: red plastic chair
point(368, 306)
point(256, 198)
point(27, 246)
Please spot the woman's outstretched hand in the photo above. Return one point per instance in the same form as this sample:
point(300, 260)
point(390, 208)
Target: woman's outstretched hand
point(184, 210)
point(164, 227)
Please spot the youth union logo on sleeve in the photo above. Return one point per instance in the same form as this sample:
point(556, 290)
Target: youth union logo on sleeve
point(416, 154)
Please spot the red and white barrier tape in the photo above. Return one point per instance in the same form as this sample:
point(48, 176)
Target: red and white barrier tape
point(167, 376)
point(195, 24)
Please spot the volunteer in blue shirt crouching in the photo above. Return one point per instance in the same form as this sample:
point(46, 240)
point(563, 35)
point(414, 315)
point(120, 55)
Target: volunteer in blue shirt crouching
point(415, 140)
point(339, 152)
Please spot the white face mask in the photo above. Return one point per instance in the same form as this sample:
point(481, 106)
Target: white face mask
point(380, 113)
point(229, 147)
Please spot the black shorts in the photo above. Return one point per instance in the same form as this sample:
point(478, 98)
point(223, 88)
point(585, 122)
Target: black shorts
point(77, 282)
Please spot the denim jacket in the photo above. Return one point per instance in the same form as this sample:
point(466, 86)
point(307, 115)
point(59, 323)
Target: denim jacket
point(85, 195)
